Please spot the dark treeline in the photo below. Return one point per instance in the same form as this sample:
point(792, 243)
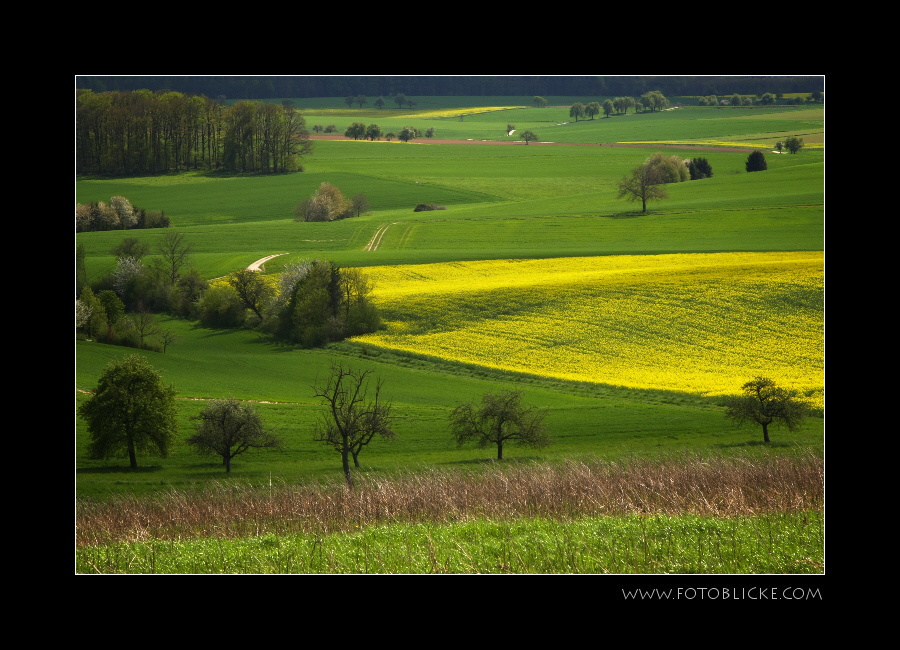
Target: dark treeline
point(150, 132)
point(342, 86)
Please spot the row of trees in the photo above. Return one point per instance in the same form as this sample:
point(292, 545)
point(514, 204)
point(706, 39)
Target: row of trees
point(399, 99)
point(143, 132)
point(133, 410)
point(358, 130)
point(118, 214)
point(652, 101)
point(764, 99)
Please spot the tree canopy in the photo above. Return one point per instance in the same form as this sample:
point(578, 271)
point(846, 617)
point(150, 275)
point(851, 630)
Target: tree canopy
point(131, 411)
point(228, 428)
point(528, 136)
point(793, 144)
point(645, 182)
point(498, 419)
point(756, 162)
point(765, 403)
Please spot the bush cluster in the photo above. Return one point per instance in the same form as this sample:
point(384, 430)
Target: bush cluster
point(422, 207)
point(329, 204)
point(118, 214)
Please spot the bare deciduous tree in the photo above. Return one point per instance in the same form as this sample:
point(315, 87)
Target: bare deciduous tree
point(352, 420)
point(175, 252)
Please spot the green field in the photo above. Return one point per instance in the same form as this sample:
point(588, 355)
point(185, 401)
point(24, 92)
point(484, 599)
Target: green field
point(502, 202)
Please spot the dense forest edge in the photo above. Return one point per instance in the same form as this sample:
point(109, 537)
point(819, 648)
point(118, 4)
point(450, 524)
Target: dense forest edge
point(269, 87)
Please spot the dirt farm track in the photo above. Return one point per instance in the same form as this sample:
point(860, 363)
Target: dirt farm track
point(545, 144)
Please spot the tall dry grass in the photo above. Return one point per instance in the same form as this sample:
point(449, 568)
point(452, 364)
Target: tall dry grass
point(714, 486)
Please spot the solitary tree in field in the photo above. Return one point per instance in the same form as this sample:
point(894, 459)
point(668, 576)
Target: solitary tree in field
point(592, 109)
point(528, 136)
point(499, 418)
point(646, 182)
point(351, 420)
point(228, 428)
point(765, 403)
point(539, 102)
point(359, 203)
point(756, 162)
point(131, 411)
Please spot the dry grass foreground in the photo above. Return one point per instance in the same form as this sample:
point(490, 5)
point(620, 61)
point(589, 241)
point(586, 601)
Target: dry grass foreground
point(715, 486)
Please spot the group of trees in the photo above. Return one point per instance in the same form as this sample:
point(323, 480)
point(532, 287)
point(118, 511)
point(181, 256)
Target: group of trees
point(119, 308)
point(118, 214)
point(132, 410)
point(313, 303)
point(793, 144)
point(645, 182)
point(144, 132)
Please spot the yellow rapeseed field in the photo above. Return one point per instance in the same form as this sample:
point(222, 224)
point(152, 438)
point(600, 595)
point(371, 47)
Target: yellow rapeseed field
point(702, 323)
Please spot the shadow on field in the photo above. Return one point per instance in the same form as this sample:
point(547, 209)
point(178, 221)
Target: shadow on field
point(119, 469)
point(757, 443)
point(491, 461)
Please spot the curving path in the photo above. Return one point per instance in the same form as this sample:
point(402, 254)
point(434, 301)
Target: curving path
point(258, 263)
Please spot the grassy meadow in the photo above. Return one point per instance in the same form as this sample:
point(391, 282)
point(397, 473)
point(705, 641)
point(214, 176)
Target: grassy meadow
point(628, 328)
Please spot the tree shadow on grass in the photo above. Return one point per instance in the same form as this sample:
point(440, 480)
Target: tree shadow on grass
point(626, 215)
point(756, 443)
point(119, 469)
point(491, 461)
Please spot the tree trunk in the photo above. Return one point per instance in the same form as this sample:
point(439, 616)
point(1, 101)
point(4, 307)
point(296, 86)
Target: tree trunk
point(131, 455)
point(227, 464)
point(766, 432)
point(500, 450)
point(346, 461)
point(356, 458)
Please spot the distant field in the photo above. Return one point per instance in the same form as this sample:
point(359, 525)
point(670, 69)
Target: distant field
point(501, 202)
